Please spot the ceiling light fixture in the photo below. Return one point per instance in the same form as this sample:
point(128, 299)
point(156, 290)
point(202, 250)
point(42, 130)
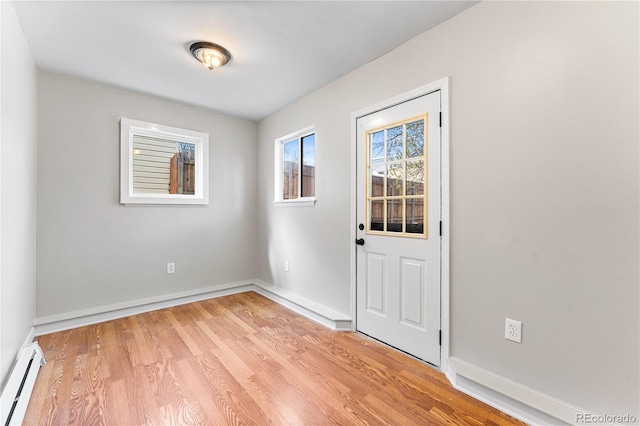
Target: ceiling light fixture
point(211, 55)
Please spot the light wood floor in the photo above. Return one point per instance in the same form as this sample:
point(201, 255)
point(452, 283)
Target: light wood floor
point(239, 359)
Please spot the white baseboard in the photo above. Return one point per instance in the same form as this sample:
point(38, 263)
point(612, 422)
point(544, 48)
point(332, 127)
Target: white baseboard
point(314, 311)
point(523, 403)
point(69, 320)
point(319, 313)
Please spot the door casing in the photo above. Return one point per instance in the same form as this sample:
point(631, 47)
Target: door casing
point(442, 85)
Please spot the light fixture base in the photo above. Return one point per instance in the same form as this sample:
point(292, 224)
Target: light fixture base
point(210, 54)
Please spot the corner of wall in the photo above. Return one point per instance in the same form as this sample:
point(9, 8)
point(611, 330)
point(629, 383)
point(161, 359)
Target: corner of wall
point(18, 74)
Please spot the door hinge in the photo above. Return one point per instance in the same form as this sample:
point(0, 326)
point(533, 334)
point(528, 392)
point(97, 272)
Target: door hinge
point(440, 118)
point(440, 337)
point(441, 228)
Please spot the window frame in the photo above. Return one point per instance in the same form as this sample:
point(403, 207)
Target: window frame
point(385, 198)
point(130, 128)
point(279, 201)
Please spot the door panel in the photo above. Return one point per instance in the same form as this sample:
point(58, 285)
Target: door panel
point(412, 289)
point(398, 202)
point(376, 278)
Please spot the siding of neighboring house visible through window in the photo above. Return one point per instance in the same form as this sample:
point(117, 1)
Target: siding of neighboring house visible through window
point(163, 166)
point(152, 164)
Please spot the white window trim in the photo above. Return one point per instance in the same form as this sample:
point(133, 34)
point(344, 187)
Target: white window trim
point(278, 182)
point(299, 202)
point(129, 128)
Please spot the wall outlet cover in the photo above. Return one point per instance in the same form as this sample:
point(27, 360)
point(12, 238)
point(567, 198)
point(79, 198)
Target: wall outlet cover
point(513, 330)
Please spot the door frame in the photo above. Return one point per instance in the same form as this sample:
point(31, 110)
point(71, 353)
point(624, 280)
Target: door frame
point(442, 85)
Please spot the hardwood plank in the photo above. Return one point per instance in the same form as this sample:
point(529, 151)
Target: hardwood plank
point(209, 407)
point(239, 359)
point(291, 403)
point(118, 406)
point(232, 400)
point(140, 393)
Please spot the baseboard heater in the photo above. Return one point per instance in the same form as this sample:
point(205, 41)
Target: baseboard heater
point(16, 393)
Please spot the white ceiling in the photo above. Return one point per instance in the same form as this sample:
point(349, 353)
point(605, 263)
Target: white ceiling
point(281, 50)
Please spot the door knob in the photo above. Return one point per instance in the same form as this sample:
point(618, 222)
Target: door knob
point(360, 241)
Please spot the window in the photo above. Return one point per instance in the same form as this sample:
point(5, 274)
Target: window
point(396, 190)
point(162, 164)
point(295, 179)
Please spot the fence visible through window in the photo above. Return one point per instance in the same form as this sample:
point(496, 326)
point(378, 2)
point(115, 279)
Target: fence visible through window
point(294, 152)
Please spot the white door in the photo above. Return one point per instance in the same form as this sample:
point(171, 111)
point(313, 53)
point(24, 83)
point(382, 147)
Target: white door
point(398, 219)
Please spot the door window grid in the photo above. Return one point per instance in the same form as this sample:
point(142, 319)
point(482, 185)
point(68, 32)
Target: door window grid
point(396, 159)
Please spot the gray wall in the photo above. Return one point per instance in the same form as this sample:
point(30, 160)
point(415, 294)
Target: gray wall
point(18, 191)
point(544, 191)
point(92, 251)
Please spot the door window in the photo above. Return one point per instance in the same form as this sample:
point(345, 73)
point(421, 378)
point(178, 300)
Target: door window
point(396, 179)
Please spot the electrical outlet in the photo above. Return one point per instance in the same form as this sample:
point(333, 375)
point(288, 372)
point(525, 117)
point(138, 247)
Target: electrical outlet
point(513, 330)
point(286, 266)
point(171, 268)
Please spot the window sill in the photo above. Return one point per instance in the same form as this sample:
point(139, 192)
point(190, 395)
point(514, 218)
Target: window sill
point(300, 202)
